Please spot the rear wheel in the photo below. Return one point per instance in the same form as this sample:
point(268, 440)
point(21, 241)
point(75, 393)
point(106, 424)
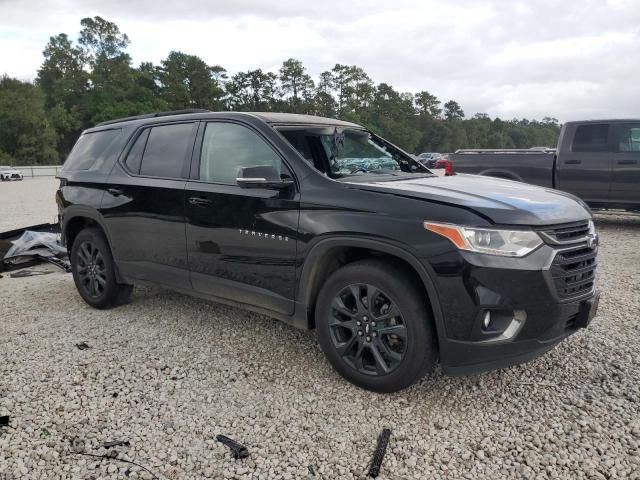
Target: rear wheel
point(375, 326)
point(94, 270)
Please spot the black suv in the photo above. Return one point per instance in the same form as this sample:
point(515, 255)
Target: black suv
point(325, 225)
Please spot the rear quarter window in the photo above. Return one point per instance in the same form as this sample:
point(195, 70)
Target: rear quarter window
point(91, 147)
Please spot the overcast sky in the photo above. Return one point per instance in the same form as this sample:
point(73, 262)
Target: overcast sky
point(568, 59)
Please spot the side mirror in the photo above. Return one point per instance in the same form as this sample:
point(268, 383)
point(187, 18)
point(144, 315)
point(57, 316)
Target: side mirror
point(262, 176)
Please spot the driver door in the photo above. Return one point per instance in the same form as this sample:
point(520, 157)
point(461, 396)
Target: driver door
point(241, 242)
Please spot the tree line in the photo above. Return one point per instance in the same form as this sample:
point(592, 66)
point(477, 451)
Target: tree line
point(91, 80)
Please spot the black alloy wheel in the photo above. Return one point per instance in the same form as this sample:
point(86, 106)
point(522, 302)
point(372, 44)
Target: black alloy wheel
point(374, 324)
point(91, 269)
point(367, 329)
point(94, 271)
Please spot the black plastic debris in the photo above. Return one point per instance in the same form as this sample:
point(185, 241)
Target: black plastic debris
point(113, 455)
point(378, 454)
point(116, 443)
point(82, 346)
point(28, 273)
point(4, 420)
point(237, 450)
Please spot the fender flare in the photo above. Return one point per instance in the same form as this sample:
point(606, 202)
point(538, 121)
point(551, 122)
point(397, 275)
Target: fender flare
point(319, 249)
point(75, 211)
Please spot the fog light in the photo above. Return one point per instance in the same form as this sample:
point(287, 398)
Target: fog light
point(486, 321)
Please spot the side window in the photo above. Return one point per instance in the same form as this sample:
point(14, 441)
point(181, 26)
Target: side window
point(134, 157)
point(628, 137)
point(227, 147)
point(591, 138)
point(90, 147)
point(166, 150)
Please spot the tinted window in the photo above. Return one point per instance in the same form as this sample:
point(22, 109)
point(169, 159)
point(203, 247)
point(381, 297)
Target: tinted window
point(134, 157)
point(591, 138)
point(166, 150)
point(90, 147)
point(227, 147)
point(628, 137)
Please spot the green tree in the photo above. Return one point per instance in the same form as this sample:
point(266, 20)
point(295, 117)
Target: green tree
point(65, 84)
point(117, 89)
point(94, 80)
point(353, 88)
point(453, 111)
point(26, 137)
point(427, 104)
point(324, 104)
point(294, 81)
point(391, 114)
point(102, 38)
point(188, 82)
point(254, 90)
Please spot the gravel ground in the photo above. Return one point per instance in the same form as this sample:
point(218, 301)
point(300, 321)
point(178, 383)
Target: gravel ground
point(169, 372)
point(28, 202)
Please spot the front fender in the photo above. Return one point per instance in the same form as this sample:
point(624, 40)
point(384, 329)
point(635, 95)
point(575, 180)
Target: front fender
point(313, 262)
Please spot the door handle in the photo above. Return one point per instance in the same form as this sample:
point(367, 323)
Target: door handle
point(116, 192)
point(199, 201)
point(627, 162)
point(572, 162)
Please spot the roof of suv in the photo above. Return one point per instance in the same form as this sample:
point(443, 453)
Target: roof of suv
point(268, 117)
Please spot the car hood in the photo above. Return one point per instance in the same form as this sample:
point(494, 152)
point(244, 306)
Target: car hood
point(501, 201)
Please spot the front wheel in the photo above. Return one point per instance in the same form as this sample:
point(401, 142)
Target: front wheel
point(94, 270)
point(375, 326)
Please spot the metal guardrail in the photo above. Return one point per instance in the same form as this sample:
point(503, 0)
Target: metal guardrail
point(39, 170)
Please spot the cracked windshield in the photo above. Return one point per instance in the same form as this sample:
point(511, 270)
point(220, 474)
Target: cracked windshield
point(354, 152)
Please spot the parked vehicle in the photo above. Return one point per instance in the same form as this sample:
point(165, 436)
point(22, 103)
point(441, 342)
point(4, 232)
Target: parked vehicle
point(325, 225)
point(436, 161)
point(598, 161)
point(10, 173)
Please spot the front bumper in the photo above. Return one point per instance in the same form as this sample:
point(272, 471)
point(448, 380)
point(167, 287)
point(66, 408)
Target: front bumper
point(529, 314)
point(12, 176)
point(470, 357)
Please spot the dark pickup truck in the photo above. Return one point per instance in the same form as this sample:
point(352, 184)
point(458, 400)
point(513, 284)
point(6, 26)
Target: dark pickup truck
point(597, 160)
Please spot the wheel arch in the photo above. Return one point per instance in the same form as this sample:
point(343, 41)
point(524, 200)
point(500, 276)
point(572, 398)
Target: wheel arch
point(75, 219)
point(329, 254)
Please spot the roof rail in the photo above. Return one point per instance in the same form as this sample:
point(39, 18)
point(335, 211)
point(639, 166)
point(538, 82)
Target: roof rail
point(153, 115)
point(507, 150)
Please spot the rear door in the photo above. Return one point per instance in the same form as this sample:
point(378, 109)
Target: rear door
point(241, 242)
point(625, 186)
point(144, 205)
point(586, 167)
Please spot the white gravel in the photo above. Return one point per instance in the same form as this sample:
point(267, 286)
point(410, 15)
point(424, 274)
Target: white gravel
point(169, 372)
point(29, 202)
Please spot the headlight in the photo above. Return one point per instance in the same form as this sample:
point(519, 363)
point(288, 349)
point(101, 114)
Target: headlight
point(508, 243)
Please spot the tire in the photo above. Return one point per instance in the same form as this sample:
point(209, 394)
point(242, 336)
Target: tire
point(383, 346)
point(94, 272)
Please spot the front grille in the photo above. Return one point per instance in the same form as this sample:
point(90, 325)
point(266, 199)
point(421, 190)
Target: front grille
point(574, 271)
point(568, 233)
